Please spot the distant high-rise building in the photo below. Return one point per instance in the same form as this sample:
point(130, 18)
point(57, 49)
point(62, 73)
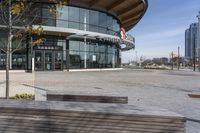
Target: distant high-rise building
point(191, 40)
point(187, 44)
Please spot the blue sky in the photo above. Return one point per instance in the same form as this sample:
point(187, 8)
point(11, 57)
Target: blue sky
point(162, 28)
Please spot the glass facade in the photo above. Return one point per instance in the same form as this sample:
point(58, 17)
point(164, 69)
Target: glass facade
point(59, 53)
point(2, 60)
point(76, 54)
point(18, 57)
point(81, 19)
point(93, 54)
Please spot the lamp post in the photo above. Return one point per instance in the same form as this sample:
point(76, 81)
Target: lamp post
point(198, 39)
point(194, 54)
point(136, 57)
point(172, 62)
point(178, 58)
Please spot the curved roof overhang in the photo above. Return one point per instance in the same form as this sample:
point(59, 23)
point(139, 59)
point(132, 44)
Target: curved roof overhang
point(129, 12)
point(74, 33)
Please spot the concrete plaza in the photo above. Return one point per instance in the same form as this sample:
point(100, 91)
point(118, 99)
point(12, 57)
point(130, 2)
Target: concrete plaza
point(164, 89)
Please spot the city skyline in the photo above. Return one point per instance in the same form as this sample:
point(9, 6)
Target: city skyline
point(157, 36)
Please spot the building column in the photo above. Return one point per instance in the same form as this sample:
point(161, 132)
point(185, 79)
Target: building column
point(85, 49)
point(85, 42)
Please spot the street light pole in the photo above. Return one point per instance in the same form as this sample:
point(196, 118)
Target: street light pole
point(136, 57)
point(194, 53)
point(198, 39)
point(172, 62)
point(178, 58)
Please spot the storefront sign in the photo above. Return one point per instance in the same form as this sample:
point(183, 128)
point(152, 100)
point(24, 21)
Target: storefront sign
point(123, 33)
point(42, 47)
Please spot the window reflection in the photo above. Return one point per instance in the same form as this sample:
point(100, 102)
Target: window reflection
point(63, 15)
point(98, 55)
point(75, 18)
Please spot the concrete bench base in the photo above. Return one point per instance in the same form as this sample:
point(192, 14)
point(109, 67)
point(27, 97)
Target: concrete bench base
point(87, 98)
point(70, 117)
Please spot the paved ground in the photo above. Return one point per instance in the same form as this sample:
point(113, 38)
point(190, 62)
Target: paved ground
point(165, 89)
point(17, 83)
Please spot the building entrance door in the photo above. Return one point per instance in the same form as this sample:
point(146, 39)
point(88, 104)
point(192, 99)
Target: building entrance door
point(48, 55)
point(39, 61)
point(58, 65)
point(48, 60)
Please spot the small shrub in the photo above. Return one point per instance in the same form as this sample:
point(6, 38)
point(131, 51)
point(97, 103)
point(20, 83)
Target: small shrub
point(23, 97)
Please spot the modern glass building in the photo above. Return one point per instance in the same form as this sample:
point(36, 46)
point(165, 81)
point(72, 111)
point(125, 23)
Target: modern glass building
point(87, 34)
point(191, 41)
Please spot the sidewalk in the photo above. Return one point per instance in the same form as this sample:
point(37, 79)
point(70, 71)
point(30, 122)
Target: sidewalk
point(17, 83)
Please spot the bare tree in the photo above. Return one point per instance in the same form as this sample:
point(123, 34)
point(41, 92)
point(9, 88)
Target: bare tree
point(17, 19)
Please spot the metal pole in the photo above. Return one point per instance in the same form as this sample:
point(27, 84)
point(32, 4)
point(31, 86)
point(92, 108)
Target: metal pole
point(172, 61)
point(136, 57)
point(178, 58)
point(85, 41)
point(198, 40)
point(194, 52)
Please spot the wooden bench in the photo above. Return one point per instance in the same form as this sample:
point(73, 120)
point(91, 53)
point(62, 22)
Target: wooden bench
point(75, 117)
point(86, 98)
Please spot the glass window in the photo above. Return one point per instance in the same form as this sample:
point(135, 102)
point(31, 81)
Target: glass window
point(18, 60)
point(102, 19)
point(102, 48)
point(74, 45)
point(94, 21)
point(63, 17)
point(88, 46)
point(73, 52)
point(96, 47)
point(110, 49)
point(110, 25)
point(75, 61)
point(84, 16)
point(2, 60)
point(50, 41)
point(74, 17)
point(109, 60)
point(91, 47)
point(102, 60)
point(102, 22)
point(82, 46)
point(82, 59)
point(92, 60)
point(48, 17)
point(82, 19)
point(97, 55)
point(115, 26)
